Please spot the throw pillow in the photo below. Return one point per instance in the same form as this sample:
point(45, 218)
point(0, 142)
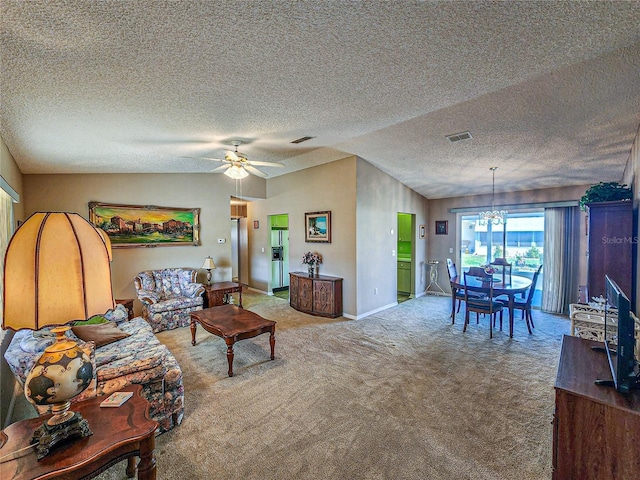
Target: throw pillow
point(101, 333)
point(96, 319)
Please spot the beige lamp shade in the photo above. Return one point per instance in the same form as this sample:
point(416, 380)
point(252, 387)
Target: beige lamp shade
point(107, 242)
point(208, 264)
point(56, 270)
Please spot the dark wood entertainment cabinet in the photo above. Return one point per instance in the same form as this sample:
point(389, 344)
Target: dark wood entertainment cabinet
point(320, 295)
point(596, 430)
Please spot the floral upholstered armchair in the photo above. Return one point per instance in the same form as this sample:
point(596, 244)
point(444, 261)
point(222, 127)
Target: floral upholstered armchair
point(168, 296)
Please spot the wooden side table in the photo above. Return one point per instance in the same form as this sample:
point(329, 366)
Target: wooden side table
point(118, 433)
point(128, 304)
point(215, 294)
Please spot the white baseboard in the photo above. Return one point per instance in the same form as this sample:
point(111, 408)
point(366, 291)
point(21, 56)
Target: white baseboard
point(251, 289)
point(358, 317)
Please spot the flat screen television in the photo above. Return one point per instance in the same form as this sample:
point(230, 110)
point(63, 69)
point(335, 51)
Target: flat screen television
point(622, 360)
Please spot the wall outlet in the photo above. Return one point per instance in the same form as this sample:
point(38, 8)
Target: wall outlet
point(222, 240)
point(451, 250)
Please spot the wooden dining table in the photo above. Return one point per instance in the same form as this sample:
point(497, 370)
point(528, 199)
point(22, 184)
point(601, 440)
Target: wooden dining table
point(515, 285)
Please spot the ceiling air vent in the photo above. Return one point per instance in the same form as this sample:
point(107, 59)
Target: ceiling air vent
point(456, 137)
point(302, 139)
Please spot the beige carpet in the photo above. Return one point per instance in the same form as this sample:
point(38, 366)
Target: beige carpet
point(402, 394)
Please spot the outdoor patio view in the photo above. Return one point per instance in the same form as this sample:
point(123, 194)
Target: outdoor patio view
point(523, 244)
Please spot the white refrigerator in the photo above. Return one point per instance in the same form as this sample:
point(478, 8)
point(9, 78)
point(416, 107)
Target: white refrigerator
point(279, 259)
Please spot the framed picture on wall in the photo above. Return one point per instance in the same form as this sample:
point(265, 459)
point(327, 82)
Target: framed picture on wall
point(442, 227)
point(318, 227)
point(146, 226)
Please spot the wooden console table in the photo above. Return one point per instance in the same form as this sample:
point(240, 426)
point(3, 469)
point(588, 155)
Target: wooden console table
point(215, 294)
point(118, 433)
point(596, 430)
point(320, 295)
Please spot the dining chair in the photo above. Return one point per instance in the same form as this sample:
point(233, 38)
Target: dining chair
point(478, 272)
point(484, 303)
point(459, 295)
point(504, 268)
point(525, 305)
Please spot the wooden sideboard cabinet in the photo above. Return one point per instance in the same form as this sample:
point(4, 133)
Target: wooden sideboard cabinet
point(320, 295)
point(596, 430)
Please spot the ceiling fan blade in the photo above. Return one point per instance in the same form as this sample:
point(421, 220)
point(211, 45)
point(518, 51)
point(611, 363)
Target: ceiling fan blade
point(221, 168)
point(265, 164)
point(255, 171)
point(207, 158)
point(232, 155)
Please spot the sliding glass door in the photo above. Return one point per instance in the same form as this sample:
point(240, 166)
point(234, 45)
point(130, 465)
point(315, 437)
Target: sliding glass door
point(520, 241)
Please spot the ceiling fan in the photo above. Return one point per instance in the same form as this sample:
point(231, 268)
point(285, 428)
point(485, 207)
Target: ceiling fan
point(237, 165)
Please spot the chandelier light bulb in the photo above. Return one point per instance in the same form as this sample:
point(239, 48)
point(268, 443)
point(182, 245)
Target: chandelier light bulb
point(493, 216)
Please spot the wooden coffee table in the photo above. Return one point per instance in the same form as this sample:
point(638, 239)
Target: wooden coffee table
point(232, 323)
point(118, 433)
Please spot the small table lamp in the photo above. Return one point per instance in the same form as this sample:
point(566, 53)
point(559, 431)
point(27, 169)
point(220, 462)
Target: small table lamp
point(208, 265)
point(57, 269)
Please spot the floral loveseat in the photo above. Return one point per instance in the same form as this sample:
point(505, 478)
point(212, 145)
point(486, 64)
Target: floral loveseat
point(139, 358)
point(168, 296)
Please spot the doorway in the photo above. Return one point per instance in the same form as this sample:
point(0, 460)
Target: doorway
point(235, 250)
point(279, 258)
point(405, 270)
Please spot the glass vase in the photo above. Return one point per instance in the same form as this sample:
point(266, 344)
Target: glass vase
point(311, 270)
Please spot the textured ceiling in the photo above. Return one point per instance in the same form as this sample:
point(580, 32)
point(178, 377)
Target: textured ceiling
point(550, 91)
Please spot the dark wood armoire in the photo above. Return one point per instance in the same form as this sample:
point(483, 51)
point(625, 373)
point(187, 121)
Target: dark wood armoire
point(611, 244)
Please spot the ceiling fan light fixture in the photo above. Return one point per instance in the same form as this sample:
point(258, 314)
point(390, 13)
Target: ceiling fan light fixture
point(236, 172)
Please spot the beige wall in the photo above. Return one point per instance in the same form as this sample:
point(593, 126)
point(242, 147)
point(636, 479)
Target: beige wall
point(364, 203)
point(209, 192)
point(328, 187)
point(440, 210)
point(379, 200)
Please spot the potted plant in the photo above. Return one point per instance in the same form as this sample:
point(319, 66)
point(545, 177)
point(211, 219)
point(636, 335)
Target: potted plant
point(605, 192)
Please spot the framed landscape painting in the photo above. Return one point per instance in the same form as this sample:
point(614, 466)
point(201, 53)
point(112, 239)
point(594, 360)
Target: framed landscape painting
point(146, 226)
point(318, 225)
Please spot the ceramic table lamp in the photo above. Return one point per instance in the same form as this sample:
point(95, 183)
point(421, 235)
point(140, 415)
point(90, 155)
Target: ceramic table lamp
point(208, 265)
point(57, 270)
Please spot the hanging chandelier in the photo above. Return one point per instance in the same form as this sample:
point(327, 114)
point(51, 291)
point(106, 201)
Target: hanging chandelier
point(493, 216)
